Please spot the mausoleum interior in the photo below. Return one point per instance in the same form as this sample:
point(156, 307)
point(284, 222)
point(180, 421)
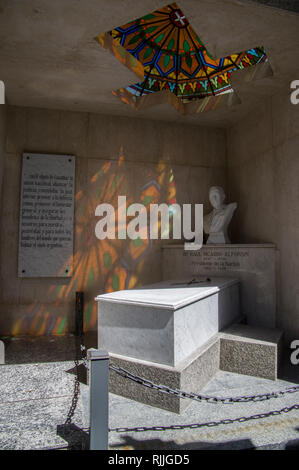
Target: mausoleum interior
point(59, 81)
point(149, 268)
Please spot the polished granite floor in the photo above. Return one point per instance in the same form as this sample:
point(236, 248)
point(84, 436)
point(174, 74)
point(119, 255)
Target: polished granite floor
point(37, 389)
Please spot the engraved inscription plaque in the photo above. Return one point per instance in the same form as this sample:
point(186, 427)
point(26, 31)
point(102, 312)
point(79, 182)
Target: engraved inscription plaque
point(46, 216)
point(253, 265)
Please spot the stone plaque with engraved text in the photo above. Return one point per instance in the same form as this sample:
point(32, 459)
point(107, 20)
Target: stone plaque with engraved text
point(253, 265)
point(46, 216)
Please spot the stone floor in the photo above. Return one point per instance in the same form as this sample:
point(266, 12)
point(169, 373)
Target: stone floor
point(36, 391)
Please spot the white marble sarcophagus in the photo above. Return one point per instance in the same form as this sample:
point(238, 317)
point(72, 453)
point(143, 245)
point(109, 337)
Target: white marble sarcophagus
point(167, 322)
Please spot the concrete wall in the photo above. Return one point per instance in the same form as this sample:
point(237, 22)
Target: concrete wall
point(148, 161)
point(263, 174)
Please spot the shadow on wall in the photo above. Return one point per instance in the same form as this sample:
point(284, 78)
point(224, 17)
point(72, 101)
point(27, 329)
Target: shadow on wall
point(102, 265)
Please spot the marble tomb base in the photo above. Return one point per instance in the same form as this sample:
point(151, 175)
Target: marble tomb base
point(239, 348)
point(190, 375)
point(180, 335)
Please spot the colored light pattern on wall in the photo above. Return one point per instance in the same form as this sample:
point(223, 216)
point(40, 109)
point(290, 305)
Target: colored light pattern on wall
point(100, 265)
point(175, 60)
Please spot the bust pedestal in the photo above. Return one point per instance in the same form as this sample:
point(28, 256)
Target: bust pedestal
point(254, 265)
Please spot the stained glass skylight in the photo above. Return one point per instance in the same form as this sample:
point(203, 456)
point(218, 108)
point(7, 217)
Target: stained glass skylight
point(174, 59)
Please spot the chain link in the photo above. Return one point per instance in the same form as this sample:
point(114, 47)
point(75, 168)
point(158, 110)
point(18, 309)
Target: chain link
point(76, 392)
point(194, 396)
point(83, 356)
point(203, 425)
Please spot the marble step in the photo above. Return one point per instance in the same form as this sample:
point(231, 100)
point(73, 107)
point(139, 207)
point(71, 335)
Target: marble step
point(251, 351)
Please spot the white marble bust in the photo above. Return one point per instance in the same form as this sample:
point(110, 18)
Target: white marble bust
point(216, 223)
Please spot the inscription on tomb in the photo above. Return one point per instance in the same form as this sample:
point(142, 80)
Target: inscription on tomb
point(46, 216)
point(253, 265)
point(217, 259)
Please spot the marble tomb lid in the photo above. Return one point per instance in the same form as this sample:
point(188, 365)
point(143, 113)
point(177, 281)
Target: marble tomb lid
point(172, 294)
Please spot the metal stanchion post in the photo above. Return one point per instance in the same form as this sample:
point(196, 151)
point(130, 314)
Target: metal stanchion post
point(79, 313)
point(2, 353)
point(99, 398)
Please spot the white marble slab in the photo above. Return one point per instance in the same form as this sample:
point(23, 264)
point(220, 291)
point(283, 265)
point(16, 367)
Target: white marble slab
point(169, 295)
point(166, 322)
point(253, 264)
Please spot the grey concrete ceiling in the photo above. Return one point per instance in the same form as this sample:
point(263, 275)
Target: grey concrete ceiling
point(292, 5)
point(49, 58)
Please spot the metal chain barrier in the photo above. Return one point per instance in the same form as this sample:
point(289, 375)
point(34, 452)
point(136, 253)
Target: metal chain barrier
point(243, 419)
point(194, 396)
point(181, 394)
point(76, 392)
